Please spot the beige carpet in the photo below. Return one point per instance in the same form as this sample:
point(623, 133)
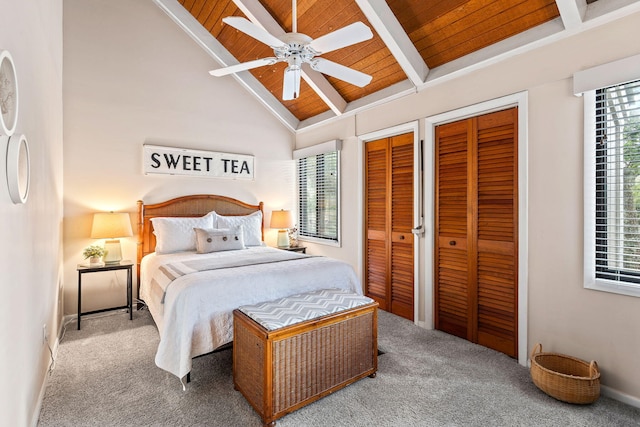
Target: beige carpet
point(105, 376)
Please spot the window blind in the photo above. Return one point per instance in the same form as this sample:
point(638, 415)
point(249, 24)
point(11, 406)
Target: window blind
point(318, 196)
point(617, 183)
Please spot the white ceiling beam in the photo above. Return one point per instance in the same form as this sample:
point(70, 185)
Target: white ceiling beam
point(257, 14)
point(325, 91)
point(611, 9)
point(204, 39)
point(572, 12)
point(395, 91)
point(323, 88)
point(393, 35)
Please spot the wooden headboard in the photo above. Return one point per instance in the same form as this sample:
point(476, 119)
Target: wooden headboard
point(187, 206)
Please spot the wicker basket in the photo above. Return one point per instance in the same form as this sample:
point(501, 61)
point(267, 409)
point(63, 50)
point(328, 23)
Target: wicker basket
point(564, 377)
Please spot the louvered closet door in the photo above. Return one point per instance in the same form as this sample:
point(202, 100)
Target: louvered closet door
point(401, 287)
point(476, 224)
point(451, 255)
point(377, 212)
point(497, 231)
point(389, 262)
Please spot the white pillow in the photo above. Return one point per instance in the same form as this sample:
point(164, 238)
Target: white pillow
point(251, 226)
point(177, 234)
point(218, 239)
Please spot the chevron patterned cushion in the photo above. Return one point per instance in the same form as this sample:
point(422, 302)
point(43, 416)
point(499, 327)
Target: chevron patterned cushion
point(288, 311)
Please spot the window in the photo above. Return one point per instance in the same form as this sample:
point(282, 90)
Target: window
point(318, 196)
point(614, 162)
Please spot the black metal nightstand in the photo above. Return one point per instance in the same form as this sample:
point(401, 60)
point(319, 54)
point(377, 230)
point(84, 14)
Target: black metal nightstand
point(123, 265)
point(302, 249)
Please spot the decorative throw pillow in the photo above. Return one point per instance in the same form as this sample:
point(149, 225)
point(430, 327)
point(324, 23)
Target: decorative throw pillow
point(251, 225)
point(175, 234)
point(218, 239)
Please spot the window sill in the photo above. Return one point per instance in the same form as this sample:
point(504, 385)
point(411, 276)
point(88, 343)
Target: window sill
point(320, 241)
point(613, 286)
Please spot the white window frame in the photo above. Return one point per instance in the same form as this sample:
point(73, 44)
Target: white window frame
point(586, 83)
point(326, 147)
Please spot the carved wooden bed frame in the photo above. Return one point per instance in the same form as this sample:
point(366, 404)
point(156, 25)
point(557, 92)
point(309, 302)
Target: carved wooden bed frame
point(186, 206)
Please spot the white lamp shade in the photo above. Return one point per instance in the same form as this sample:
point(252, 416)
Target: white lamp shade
point(110, 225)
point(281, 219)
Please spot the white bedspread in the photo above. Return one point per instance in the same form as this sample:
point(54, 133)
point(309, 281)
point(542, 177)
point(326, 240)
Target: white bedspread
point(197, 314)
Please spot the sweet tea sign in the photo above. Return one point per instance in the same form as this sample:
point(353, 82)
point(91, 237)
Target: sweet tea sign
point(208, 164)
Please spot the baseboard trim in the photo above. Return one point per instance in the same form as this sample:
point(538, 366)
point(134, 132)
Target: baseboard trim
point(422, 324)
point(620, 396)
point(43, 388)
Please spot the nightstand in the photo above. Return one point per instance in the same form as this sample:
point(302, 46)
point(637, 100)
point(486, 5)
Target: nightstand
point(302, 249)
point(123, 265)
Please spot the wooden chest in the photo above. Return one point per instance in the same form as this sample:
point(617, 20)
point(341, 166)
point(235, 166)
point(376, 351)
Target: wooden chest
point(282, 366)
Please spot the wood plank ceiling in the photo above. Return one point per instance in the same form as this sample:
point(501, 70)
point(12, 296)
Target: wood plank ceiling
point(411, 38)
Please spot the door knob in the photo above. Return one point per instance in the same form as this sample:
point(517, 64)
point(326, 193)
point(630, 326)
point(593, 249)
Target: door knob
point(452, 242)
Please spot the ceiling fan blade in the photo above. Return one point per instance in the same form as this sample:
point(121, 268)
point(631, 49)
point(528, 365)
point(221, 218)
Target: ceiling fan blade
point(345, 36)
point(243, 66)
point(251, 29)
point(291, 84)
point(341, 72)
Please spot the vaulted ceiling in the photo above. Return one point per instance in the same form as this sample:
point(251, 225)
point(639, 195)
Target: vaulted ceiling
point(415, 42)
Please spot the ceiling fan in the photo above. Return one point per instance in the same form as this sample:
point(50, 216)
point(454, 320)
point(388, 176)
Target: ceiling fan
point(297, 49)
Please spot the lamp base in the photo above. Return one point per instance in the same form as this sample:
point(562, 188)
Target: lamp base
point(113, 251)
point(283, 239)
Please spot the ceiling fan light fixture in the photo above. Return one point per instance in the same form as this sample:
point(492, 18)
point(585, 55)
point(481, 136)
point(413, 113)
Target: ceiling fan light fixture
point(291, 83)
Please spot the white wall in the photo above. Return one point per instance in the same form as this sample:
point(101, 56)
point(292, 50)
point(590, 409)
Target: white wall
point(30, 234)
point(562, 315)
point(133, 77)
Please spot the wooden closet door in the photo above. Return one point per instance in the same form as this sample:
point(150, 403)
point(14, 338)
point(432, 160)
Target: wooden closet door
point(401, 258)
point(451, 255)
point(376, 215)
point(389, 262)
point(497, 231)
point(476, 228)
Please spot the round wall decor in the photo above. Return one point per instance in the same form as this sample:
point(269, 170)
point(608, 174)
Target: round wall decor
point(8, 94)
point(18, 168)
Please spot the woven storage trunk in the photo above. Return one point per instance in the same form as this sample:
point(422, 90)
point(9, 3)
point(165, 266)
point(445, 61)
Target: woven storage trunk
point(564, 377)
point(279, 371)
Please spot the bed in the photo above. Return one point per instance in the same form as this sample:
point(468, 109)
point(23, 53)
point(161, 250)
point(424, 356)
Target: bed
point(191, 292)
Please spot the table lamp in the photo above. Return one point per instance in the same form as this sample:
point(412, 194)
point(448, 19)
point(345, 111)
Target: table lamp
point(110, 225)
point(283, 220)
